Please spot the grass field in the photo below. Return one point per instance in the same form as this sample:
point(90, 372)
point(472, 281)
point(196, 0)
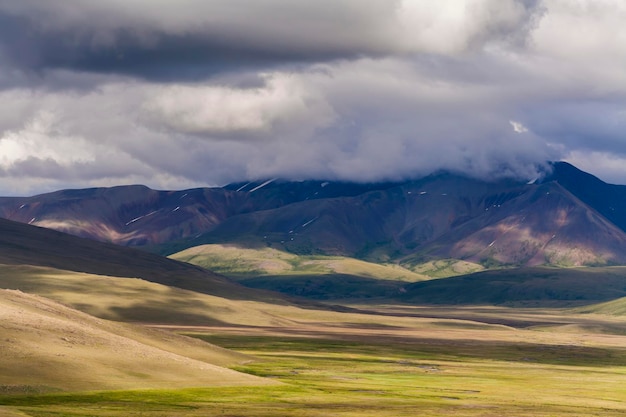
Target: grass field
point(408, 367)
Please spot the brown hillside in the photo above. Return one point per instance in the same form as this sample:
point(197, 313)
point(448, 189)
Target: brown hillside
point(548, 226)
point(47, 347)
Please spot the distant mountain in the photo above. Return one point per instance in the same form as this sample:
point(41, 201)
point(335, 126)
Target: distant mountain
point(439, 217)
point(567, 218)
point(607, 199)
point(127, 215)
point(137, 216)
point(545, 224)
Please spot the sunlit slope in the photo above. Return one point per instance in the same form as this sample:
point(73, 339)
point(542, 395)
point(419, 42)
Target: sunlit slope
point(127, 215)
point(46, 346)
point(240, 262)
point(613, 308)
point(317, 277)
point(136, 300)
point(337, 278)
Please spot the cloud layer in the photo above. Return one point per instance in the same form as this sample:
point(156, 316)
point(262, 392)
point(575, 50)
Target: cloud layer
point(198, 92)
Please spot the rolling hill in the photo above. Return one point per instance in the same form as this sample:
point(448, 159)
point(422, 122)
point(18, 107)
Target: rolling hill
point(241, 263)
point(47, 347)
point(319, 277)
point(22, 244)
point(349, 280)
point(140, 301)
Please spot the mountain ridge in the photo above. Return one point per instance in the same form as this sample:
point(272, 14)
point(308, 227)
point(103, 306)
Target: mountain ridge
point(442, 215)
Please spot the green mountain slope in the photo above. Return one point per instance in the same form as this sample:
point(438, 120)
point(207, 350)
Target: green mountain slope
point(319, 277)
point(240, 262)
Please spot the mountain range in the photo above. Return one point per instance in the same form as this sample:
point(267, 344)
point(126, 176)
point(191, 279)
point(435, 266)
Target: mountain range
point(566, 218)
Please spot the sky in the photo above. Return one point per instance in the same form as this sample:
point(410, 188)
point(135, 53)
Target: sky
point(190, 93)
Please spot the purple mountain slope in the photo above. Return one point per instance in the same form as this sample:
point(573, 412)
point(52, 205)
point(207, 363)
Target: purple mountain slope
point(568, 218)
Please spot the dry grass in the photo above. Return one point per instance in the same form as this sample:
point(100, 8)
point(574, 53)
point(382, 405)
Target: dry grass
point(6, 412)
point(429, 367)
point(136, 300)
point(46, 346)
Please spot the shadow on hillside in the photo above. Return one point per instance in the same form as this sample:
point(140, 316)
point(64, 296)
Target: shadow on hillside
point(526, 287)
point(411, 351)
point(327, 286)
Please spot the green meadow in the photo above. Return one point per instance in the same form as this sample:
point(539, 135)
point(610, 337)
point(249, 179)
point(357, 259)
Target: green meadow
point(478, 370)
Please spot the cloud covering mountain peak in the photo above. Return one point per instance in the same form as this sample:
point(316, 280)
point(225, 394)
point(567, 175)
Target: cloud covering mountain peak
point(179, 94)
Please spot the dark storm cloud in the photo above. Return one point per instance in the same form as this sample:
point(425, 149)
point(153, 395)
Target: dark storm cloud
point(195, 39)
point(168, 57)
point(99, 93)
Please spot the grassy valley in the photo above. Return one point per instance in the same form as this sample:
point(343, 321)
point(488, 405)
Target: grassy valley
point(525, 342)
point(387, 366)
point(378, 359)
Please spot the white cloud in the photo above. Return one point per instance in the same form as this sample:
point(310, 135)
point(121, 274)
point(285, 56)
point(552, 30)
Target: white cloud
point(455, 26)
point(609, 167)
point(518, 127)
point(282, 104)
point(43, 138)
point(581, 44)
point(337, 89)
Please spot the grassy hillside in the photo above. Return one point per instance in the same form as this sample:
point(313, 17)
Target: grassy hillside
point(46, 346)
point(312, 276)
point(613, 308)
point(523, 286)
point(136, 300)
point(239, 262)
point(443, 268)
point(337, 278)
point(22, 244)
